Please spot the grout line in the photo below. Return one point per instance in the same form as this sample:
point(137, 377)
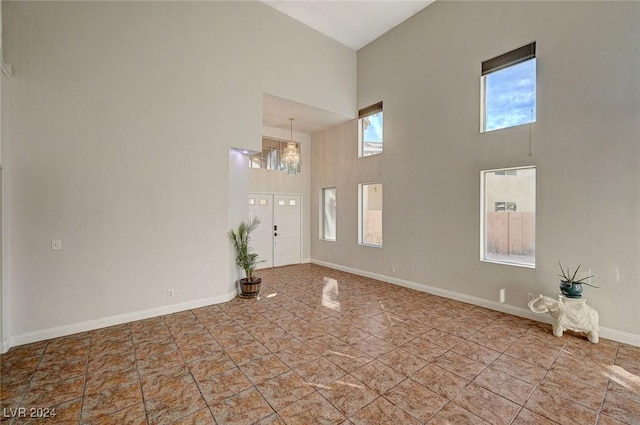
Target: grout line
point(28, 387)
point(84, 385)
point(135, 357)
point(185, 364)
point(544, 376)
point(606, 390)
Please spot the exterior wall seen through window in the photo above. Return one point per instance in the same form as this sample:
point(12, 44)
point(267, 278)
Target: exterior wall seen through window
point(509, 216)
point(370, 216)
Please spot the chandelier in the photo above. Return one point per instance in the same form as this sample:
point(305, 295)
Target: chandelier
point(291, 155)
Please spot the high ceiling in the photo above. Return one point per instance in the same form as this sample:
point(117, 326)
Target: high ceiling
point(353, 23)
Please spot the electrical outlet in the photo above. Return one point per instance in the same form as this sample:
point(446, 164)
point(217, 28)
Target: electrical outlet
point(502, 295)
point(170, 293)
point(393, 269)
point(56, 244)
point(328, 256)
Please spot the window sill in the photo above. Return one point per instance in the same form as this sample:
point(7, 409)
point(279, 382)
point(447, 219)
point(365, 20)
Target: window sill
point(507, 263)
point(370, 245)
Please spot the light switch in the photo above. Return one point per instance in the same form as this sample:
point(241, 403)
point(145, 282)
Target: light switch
point(56, 244)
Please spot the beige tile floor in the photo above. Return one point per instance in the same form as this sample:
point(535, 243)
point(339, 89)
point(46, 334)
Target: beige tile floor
point(325, 347)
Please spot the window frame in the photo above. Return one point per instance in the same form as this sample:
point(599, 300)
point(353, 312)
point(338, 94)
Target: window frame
point(364, 113)
point(323, 220)
point(499, 63)
point(361, 218)
point(483, 219)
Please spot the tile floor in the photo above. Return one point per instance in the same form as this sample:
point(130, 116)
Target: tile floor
point(324, 347)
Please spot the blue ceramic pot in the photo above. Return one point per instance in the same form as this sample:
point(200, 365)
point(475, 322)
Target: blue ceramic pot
point(571, 290)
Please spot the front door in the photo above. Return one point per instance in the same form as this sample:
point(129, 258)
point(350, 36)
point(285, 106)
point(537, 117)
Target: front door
point(286, 230)
point(278, 238)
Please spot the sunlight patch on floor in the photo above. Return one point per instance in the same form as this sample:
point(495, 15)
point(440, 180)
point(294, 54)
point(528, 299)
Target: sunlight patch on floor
point(625, 378)
point(330, 294)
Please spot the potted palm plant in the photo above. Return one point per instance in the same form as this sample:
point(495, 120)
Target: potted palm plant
point(569, 285)
point(247, 260)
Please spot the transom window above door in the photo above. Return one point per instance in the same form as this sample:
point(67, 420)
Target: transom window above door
point(272, 156)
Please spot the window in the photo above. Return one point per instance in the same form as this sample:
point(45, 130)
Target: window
point(509, 89)
point(328, 214)
point(370, 130)
point(370, 217)
point(272, 155)
point(509, 227)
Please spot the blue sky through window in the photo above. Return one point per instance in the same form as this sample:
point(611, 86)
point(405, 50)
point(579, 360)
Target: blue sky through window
point(510, 96)
point(373, 132)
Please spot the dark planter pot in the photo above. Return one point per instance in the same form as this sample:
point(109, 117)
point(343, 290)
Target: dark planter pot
point(571, 290)
point(250, 289)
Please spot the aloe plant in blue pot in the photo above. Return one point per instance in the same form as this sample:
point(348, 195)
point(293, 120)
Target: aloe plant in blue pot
point(570, 286)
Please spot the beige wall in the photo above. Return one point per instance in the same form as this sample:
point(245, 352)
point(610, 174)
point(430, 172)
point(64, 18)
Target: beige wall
point(116, 131)
point(585, 145)
point(335, 163)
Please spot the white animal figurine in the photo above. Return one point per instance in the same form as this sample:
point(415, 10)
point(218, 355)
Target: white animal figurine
point(569, 313)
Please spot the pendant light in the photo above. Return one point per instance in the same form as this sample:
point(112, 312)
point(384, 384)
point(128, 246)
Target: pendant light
point(291, 155)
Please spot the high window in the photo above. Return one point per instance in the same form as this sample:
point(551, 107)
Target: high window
point(509, 216)
point(509, 89)
point(328, 214)
point(370, 216)
point(370, 130)
point(272, 155)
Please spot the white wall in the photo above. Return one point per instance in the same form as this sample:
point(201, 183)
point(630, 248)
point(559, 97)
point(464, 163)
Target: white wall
point(585, 145)
point(116, 131)
point(269, 181)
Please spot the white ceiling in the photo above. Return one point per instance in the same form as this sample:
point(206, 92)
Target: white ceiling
point(354, 23)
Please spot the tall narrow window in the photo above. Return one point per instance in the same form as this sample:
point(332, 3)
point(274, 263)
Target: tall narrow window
point(370, 130)
point(509, 89)
point(328, 214)
point(370, 217)
point(509, 216)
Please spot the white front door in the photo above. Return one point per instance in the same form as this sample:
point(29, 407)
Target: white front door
point(286, 225)
point(261, 206)
point(278, 238)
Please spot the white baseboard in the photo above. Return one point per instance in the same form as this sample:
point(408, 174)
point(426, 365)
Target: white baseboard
point(613, 334)
point(305, 261)
point(58, 331)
